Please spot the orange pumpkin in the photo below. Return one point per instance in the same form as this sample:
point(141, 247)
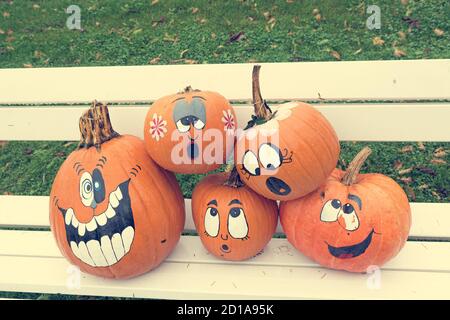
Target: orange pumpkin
point(191, 131)
point(113, 211)
point(286, 153)
point(233, 222)
point(352, 222)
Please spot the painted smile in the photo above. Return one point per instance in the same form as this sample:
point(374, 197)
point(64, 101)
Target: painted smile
point(278, 186)
point(351, 251)
point(107, 238)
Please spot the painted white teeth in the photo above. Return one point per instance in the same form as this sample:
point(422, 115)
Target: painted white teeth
point(75, 222)
point(127, 238)
point(113, 201)
point(118, 194)
point(84, 254)
point(108, 251)
point(81, 229)
point(117, 245)
point(91, 225)
point(96, 253)
point(69, 215)
point(101, 219)
point(110, 212)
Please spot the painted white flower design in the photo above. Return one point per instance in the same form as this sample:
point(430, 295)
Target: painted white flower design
point(228, 120)
point(283, 111)
point(158, 127)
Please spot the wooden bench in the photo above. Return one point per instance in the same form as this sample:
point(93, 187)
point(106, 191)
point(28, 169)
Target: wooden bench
point(406, 105)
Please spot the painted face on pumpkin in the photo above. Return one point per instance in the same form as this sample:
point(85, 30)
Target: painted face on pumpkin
point(230, 225)
point(344, 213)
point(264, 163)
point(99, 225)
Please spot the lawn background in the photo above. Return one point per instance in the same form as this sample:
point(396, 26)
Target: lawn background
point(34, 34)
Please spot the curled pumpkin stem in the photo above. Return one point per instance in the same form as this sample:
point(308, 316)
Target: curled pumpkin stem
point(233, 179)
point(95, 126)
point(355, 166)
point(262, 110)
point(188, 89)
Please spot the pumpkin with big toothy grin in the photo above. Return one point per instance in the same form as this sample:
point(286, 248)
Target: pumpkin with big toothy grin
point(107, 210)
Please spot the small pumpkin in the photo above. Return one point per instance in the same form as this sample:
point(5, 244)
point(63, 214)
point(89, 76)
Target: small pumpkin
point(191, 131)
point(352, 222)
point(233, 221)
point(113, 211)
point(287, 152)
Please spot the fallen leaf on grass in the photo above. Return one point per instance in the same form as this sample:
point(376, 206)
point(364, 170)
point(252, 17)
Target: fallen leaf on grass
point(27, 65)
point(397, 164)
point(404, 2)
point(402, 35)
point(6, 14)
point(437, 196)
point(407, 149)
point(154, 2)
point(377, 41)
point(36, 6)
point(405, 171)
point(2, 31)
point(423, 186)
point(420, 146)
point(161, 20)
point(410, 192)
point(439, 152)
point(438, 32)
point(426, 170)
point(318, 17)
point(315, 11)
point(236, 37)
point(406, 180)
point(155, 60)
point(28, 151)
point(412, 23)
point(399, 53)
point(438, 161)
point(335, 54)
point(194, 10)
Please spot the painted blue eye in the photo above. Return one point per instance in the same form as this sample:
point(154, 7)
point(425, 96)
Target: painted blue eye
point(213, 212)
point(348, 208)
point(235, 212)
point(99, 186)
point(336, 203)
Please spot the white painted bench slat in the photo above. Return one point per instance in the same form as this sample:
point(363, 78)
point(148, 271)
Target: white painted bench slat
point(175, 280)
point(360, 122)
point(415, 256)
point(430, 220)
point(405, 79)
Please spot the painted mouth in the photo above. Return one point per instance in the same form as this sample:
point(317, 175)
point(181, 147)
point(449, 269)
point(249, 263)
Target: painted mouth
point(192, 149)
point(107, 238)
point(278, 186)
point(351, 251)
point(225, 248)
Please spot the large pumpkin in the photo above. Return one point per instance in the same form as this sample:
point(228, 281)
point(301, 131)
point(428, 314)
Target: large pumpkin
point(233, 221)
point(286, 153)
point(191, 131)
point(352, 222)
point(113, 211)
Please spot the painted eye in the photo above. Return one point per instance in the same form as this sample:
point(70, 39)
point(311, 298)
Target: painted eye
point(99, 186)
point(250, 163)
point(350, 217)
point(198, 124)
point(212, 222)
point(182, 127)
point(330, 210)
point(86, 189)
point(269, 156)
point(237, 223)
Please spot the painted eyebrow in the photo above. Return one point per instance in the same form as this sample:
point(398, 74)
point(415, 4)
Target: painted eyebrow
point(78, 167)
point(356, 199)
point(177, 99)
point(234, 201)
point(214, 202)
point(199, 97)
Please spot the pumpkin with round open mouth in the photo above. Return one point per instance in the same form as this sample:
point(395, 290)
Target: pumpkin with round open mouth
point(352, 222)
point(191, 131)
point(233, 221)
point(287, 152)
point(113, 211)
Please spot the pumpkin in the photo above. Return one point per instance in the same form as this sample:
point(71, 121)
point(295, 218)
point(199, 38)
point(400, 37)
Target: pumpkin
point(233, 221)
point(113, 212)
point(286, 153)
point(352, 222)
point(191, 131)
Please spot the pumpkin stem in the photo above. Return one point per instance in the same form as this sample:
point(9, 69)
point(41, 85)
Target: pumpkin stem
point(233, 179)
point(188, 89)
point(262, 110)
point(95, 126)
point(355, 166)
